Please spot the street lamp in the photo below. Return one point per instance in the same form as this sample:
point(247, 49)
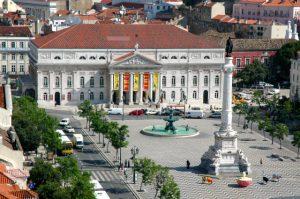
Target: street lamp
point(123, 107)
point(134, 152)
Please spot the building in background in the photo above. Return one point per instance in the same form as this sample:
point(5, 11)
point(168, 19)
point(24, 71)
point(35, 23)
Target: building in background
point(10, 6)
point(295, 79)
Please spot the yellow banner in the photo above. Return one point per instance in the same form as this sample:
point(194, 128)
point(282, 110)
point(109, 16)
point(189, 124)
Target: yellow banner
point(136, 82)
point(155, 81)
point(116, 81)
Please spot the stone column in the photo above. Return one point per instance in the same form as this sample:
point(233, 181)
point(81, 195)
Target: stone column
point(111, 88)
point(131, 89)
point(51, 87)
point(159, 89)
point(121, 80)
point(63, 81)
point(151, 85)
point(141, 88)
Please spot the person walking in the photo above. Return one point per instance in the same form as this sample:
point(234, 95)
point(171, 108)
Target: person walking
point(188, 164)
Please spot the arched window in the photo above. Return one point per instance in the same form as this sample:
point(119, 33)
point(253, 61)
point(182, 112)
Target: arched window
point(173, 81)
point(216, 94)
point(92, 58)
point(92, 82)
point(102, 57)
point(92, 96)
point(164, 94)
point(57, 82)
point(205, 80)
point(206, 57)
point(194, 94)
point(101, 96)
point(69, 82)
point(173, 95)
point(82, 58)
point(101, 82)
point(45, 96)
point(164, 81)
point(217, 80)
point(183, 57)
point(57, 58)
point(81, 96)
point(45, 82)
point(82, 82)
point(182, 81)
point(173, 57)
point(164, 57)
point(195, 80)
point(69, 96)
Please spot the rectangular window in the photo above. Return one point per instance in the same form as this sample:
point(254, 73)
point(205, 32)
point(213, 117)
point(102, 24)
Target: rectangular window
point(13, 56)
point(3, 57)
point(69, 82)
point(3, 44)
point(3, 68)
point(13, 44)
point(21, 68)
point(238, 62)
point(13, 68)
point(21, 44)
point(247, 61)
point(21, 57)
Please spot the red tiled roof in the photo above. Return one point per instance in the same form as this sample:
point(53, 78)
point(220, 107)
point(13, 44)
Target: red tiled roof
point(88, 17)
point(116, 36)
point(218, 17)
point(62, 12)
point(20, 31)
point(281, 3)
point(124, 56)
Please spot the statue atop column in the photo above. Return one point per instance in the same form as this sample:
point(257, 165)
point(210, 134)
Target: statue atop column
point(229, 47)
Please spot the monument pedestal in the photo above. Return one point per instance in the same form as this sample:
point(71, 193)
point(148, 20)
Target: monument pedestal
point(224, 158)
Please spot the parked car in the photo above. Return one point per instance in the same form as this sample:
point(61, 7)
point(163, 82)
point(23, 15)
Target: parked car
point(195, 114)
point(137, 112)
point(69, 129)
point(64, 122)
point(115, 111)
point(216, 114)
point(176, 112)
point(151, 112)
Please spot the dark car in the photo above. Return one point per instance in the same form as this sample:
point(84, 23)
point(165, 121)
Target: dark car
point(137, 112)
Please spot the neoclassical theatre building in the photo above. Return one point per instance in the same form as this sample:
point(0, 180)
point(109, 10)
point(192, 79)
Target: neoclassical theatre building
point(134, 64)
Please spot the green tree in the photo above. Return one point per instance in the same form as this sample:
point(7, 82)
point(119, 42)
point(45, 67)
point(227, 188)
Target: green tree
point(53, 190)
point(262, 125)
point(253, 73)
point(270, 128)
point(240, 109)
point(112, 129)
point(258, 97)
point(281, 131)
point(160, 178)
point(296, 141)
point(42, 172)
point(68, 167)
point(147, 168)
point(85, 109)
point(97, 120)
point(252, 116)
point(81, 187)
point(170, 189)
point(118, 139)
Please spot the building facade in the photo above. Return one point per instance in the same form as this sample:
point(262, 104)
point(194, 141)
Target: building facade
point(14, 50)
point(295, 79)
point(131, 63)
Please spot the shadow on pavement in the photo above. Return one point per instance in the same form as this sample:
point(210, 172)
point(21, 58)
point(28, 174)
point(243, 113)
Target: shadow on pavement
point(94, 162)
point(117, 190)
point(261, 147)
point(184, 169)
point(234, 186)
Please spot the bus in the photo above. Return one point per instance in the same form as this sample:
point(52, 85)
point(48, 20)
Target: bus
point(67, 146)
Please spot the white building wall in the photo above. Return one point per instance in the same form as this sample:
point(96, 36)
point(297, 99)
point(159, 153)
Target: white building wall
point(295, 80)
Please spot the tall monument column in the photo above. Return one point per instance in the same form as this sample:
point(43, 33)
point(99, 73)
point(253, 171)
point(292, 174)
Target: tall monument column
point(224, 157)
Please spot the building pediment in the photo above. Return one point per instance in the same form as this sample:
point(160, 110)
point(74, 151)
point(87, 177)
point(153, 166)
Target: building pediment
point(134, 59)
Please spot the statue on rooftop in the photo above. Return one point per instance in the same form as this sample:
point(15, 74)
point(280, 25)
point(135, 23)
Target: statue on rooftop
point(229, 47)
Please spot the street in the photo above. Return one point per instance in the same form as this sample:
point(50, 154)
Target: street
point(93, 161)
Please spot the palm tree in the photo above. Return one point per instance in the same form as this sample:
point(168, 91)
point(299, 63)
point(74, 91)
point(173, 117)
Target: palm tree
point(281, 131)
point(296, 141)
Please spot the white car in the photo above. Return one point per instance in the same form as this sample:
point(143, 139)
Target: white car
point(64, 122)
point(151, 112)
point(69, 129)
point(97, 185)
point(101, 195)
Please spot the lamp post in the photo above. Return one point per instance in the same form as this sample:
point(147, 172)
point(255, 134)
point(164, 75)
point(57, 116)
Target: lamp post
point(123, 107)
point(134, 152)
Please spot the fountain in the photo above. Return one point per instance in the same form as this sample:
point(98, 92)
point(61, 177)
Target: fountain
point(169, 130)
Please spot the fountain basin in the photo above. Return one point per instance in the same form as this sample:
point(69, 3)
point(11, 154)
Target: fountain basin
point(159, 131)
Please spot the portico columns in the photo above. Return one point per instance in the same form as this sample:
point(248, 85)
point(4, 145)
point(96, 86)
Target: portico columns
point(121, 88)
point(131, 90)
point(159, 89)
point(141, 88)
point(111, 87)
point(151, 86)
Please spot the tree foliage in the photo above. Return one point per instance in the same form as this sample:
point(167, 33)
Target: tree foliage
point(253, 73)
point(85, 110)
point(147, 168)
point(281, 131)
point(296, 141)
point(240, 109)
point(170, 189)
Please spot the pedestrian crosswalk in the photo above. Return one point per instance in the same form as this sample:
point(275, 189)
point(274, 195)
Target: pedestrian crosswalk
point(106, 175)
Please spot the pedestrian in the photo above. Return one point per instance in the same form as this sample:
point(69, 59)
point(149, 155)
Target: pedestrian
point(125, 163)
point(188, 164)
point(261, 161)
point(128, 163)
point(189, 106)
point(122, 166)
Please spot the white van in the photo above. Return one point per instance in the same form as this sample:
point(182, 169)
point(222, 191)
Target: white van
point(195, 114)
point(60, 132)
point(115, 111)
point(77, 141)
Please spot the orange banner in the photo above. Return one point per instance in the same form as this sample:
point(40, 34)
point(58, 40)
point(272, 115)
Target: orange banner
point(146, 81)
point(126, 81)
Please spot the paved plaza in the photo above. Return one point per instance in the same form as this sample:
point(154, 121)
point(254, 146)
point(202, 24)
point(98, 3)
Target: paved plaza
point(173, 153)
